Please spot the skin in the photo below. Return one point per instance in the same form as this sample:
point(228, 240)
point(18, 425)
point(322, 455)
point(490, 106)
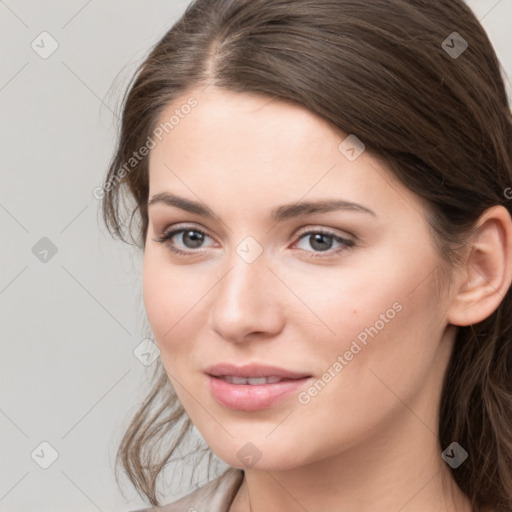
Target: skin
point(370, 436)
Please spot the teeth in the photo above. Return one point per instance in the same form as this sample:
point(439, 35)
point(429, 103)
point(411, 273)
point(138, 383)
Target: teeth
point(253, 381)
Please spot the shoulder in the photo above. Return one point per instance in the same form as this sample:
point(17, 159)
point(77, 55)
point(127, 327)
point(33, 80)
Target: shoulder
point(217, 495)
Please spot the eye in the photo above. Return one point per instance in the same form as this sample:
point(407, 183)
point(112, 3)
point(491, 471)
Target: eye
point(186, 241)
point(322, 241)
point(188, 237)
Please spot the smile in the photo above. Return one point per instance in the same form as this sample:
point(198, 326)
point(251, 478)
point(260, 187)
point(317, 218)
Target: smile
point(252, 387)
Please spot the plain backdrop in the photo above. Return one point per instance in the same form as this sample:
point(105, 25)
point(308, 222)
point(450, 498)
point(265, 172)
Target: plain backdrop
point(70, 298)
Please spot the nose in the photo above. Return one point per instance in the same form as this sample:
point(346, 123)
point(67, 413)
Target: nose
point(246, 304)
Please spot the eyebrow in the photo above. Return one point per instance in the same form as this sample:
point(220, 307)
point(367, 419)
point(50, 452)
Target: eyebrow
point(278, 214)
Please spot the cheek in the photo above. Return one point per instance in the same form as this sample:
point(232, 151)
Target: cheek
point(348, 304)
point(166, 297)
point(176, 305)
point(387, 319)
point(385, 347)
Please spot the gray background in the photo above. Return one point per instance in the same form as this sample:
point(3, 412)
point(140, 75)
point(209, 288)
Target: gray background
point(71, 322)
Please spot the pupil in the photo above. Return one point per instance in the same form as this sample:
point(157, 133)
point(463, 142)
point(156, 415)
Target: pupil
point(195, 237)
point(319, 242)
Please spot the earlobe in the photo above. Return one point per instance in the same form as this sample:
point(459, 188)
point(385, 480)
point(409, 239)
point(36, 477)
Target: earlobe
point(487, 272)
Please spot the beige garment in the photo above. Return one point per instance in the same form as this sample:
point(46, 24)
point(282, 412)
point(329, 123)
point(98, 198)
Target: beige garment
point(216, 496)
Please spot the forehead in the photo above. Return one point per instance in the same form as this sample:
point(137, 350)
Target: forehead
point(223, 120)
point(249, 148)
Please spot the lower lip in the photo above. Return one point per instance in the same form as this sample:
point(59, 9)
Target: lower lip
point(246, 397)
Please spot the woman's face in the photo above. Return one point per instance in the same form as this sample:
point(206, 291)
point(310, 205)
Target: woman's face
point(340, 300)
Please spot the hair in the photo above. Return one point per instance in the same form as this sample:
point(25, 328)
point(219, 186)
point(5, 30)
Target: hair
point(377, 69)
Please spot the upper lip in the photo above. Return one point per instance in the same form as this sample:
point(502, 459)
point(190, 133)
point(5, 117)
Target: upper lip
point(253, 370)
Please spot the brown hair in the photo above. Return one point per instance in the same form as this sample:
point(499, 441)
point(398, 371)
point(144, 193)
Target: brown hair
point(378, 69)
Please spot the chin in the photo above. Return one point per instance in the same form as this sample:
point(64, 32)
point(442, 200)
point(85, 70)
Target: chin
point(259, 455)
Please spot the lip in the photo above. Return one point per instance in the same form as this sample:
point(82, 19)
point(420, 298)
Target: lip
point(252, 397)
point(253, 370)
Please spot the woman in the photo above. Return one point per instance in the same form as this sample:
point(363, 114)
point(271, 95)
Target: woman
point(323, 195)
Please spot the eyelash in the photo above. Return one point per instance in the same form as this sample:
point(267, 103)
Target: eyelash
point(166, 237)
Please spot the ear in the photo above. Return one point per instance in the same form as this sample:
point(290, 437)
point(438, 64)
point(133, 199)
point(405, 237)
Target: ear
point(486, 274)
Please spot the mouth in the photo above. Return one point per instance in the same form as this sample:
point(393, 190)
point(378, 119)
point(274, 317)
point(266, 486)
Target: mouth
point(252, 387)
point(252, 381)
